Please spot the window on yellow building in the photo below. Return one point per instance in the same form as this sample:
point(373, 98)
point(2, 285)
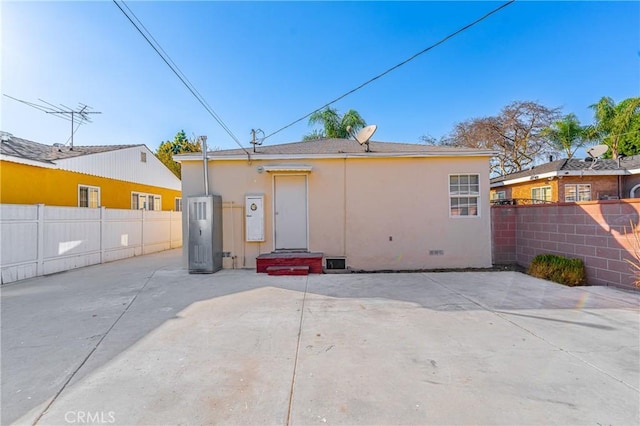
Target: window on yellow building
point(464, 195)
point(541, 194)
point(88, 196)
point(141, 201)
point(577, 192)
point(178, 204)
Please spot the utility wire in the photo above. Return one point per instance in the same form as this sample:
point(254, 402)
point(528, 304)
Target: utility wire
point(146, 34)
point(371, 80)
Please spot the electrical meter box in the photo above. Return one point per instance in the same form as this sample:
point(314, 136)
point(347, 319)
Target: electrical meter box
point(254, 217)
point(205, 234)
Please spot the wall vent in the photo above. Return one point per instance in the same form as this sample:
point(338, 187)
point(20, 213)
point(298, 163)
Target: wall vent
point(436, 252)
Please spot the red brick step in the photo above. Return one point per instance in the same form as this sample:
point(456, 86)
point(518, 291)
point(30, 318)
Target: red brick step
point(311, 260)
point(288, 270)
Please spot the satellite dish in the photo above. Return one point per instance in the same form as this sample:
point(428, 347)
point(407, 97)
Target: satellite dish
point(365, 134)
point(597, 151)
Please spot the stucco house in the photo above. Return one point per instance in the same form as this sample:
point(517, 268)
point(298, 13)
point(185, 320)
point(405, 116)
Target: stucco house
point(398, 207)
point(113, 176)
point(570, 180)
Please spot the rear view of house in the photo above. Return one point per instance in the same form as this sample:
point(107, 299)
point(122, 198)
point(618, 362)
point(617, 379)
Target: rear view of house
point(397, 207)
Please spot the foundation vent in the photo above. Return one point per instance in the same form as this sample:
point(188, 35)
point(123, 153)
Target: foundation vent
point(336, 262)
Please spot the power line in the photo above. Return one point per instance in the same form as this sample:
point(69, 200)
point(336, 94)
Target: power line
point(371, 80)
point(146, 34)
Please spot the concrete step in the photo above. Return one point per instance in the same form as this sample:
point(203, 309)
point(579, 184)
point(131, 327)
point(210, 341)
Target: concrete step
point(288, 270)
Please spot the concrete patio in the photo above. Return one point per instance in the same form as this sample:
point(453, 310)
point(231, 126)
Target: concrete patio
point(140, 341)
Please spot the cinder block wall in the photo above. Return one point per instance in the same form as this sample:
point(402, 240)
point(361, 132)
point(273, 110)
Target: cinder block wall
point(598, 232)
point(503, 234)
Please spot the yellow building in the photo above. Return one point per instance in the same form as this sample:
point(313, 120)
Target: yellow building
point(113, 176)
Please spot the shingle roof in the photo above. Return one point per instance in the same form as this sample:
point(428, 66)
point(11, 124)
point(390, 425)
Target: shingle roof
point(626, 163)
point(339, 146)
point(23, 148)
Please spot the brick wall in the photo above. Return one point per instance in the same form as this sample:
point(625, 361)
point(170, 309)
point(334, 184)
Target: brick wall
point(598, 232)
point(629, 183)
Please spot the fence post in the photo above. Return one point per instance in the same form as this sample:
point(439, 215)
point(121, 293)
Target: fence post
point(170, 226)
point(142, 231)
point(40, 243)
point(103, 211)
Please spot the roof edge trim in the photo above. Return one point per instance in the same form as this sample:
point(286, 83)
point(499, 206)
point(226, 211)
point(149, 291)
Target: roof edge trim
point(363, 155)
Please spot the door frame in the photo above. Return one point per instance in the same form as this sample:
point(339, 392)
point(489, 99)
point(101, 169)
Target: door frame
point(273, 208)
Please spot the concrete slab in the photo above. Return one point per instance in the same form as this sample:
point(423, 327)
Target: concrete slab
point(141, 341)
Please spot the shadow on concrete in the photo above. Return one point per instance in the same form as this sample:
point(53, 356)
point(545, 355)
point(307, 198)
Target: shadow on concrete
point(56, 330)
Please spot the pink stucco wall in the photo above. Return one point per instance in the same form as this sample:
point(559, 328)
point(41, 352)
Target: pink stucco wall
point(380, 213)
point(598, 232)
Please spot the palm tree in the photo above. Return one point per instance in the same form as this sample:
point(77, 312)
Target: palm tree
point(334, 125)
point(613, 122)
point(566, 135)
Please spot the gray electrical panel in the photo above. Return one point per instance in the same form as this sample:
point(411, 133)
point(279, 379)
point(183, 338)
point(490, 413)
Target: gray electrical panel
point(205, 234)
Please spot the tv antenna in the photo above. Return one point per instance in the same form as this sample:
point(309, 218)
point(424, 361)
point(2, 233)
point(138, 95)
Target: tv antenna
point(78, 115)
point(596, 152)
point(255, 141)
point(364, 135)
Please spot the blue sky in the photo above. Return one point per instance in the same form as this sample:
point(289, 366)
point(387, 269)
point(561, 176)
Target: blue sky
point(263, 65)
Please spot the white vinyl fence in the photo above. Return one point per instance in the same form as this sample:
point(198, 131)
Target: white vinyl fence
point(40, 240)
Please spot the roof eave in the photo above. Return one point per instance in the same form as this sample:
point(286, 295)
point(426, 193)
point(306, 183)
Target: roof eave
point(28, 161)
point(237, 157)
point(562, 173)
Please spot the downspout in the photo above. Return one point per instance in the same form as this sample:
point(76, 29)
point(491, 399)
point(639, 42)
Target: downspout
point(344, 208)
point(619, 180)
point(619, 187)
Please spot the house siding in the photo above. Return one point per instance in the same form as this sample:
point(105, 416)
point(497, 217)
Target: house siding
point(25, 184)
point(381, 213)
point(125, 165)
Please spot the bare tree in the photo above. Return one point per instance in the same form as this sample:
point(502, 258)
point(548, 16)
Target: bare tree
point(516, 134)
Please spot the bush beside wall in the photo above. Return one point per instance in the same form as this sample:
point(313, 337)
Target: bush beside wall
point(559, 269)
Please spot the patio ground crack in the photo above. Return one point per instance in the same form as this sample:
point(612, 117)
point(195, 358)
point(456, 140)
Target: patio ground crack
point(295, 360)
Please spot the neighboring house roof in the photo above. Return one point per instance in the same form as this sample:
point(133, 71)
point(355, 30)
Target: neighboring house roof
point(30, 150)
point(331, 148)
point(121, 162)
point(572, 167)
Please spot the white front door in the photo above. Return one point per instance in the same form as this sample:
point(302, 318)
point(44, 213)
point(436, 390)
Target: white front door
point(290, 212)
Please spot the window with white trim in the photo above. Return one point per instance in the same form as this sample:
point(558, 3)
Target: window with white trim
point(577, 192)
point(178, 204)
point(140, 201)
point(464, 195)
point(541, 194)
point(499, 195)
point(88, 196)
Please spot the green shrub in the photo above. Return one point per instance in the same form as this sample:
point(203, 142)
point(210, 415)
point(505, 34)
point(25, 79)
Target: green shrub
point(558, 269)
